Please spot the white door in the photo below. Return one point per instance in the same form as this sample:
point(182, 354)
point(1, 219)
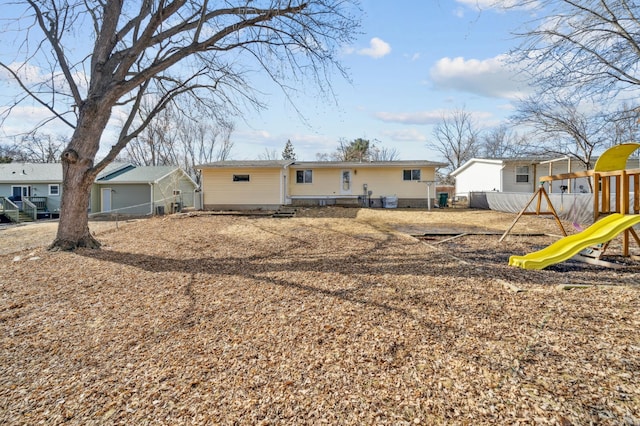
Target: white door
point(106, 199)
point(345, 182)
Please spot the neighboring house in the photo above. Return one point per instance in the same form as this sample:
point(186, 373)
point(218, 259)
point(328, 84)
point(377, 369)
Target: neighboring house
point(516, 175)
point(508, 184)
point(143, 190)
point(268, 184)
point(22, 183)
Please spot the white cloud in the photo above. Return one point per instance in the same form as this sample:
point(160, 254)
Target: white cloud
point(249, 144)
point(420, 117)
point(426, 117)
point(32, 75)
point(405, 135)
point(377, 49)
point(491, 77)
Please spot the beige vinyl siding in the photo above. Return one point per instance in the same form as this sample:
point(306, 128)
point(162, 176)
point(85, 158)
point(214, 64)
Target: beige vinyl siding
point(264, 187)
point(326, 182)
point(389, 181)
point(381, 181)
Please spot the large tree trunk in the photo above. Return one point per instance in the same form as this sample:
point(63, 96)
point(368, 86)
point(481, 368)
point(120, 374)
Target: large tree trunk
point(73, 228)
point(78, 175)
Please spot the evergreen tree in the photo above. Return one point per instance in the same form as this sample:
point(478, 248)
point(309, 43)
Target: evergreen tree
point(288, 153)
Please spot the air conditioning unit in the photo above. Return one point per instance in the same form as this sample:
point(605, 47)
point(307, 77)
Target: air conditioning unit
point(176, 192)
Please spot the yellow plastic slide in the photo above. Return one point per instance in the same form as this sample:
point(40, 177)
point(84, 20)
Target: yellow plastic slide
point(600, 232)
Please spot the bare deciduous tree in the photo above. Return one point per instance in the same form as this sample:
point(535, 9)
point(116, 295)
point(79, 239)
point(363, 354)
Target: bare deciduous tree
point(625, 123)
point(204, 142)
point(156, 143)
point(269, 154)
point(176, 138)
point(357, 150)
point(456, 138)
point(589, 47)
point(384, 153)
point(159, 50)
point(360, 150)
point(566, 128)
point(503, 142)
point(322, 156)
point(38, 148)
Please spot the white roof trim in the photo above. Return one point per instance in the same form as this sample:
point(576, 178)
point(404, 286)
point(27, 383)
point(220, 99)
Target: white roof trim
point(476, 160)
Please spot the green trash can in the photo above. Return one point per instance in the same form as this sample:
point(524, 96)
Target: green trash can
point(443, 197)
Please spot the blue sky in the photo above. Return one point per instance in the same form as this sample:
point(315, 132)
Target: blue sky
point(411, 64)
point(414, 61)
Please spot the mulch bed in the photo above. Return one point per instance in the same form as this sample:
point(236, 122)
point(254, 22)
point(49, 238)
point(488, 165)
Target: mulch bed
point(318, 319)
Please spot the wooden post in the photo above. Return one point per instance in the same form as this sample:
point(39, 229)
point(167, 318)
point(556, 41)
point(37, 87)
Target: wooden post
point(606, 194)
point(636, 192)
point(538, 194)
point(623, 194)
point(596, 196)
point(622, 197)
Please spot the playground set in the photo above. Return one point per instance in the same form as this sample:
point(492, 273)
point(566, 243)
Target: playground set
point(609, 218)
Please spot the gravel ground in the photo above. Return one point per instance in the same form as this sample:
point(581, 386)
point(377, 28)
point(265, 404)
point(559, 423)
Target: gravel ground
point(336, 316)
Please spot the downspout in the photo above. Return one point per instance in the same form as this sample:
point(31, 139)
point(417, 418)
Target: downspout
point(152, 199)
point(284, 187)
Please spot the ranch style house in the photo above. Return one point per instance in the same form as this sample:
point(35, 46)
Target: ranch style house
point(269, 184)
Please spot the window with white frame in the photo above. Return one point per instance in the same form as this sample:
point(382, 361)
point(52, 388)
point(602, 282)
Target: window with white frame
point(54, 189)
point(413, 174)
point(304, 176)
point(522, 174)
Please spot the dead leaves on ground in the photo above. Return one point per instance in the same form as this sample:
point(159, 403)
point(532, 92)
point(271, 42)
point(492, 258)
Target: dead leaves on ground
point(223, 320)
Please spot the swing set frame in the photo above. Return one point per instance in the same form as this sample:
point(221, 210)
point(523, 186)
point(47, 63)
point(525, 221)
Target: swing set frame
point(603, 183)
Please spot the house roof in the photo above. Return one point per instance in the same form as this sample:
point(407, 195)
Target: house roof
point(144, 174)
point(114, 168)
point(44, 172)
point(30, 172)
point(317, 164)
point(52, 172)
point(500, 162)
point(363, 164)
point(242, 164)
point(472, 161)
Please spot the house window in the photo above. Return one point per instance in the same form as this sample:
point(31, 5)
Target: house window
point(241, 178)
point(54, 189)
point(413, 174)
point(522, 174)
point(304, 176)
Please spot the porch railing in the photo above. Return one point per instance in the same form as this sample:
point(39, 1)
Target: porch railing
point(29, 208)
point(9, 209)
